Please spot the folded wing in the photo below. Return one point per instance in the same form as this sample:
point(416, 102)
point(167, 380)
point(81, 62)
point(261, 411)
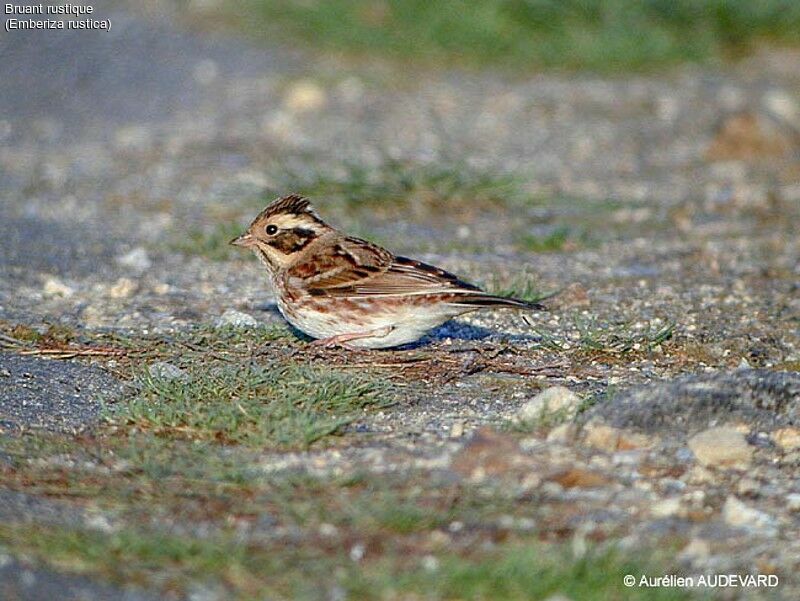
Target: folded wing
point(354, 268)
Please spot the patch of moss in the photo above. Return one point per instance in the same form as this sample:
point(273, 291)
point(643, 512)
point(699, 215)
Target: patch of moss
point(279, 405)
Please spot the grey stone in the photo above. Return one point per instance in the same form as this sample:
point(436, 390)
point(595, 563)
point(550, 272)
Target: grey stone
point(763, 399)
point(165, 371)
point(551, 403)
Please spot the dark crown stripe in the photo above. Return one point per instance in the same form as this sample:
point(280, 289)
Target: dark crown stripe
point(294, 204)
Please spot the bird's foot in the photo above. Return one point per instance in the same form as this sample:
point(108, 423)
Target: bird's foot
point(342, 340)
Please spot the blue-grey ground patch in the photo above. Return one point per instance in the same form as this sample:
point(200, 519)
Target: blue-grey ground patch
point(59, 396)
point(763, 398)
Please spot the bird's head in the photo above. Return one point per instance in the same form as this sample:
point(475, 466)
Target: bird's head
point(282, 231)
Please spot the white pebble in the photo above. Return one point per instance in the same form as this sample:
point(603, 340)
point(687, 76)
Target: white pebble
point(236, 319)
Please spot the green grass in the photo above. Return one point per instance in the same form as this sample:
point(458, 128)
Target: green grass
point(395, 185)
point(213, 243)
point(601, 35)
point(276, 405)
point(553, 241)
point(377, 507)
point(520, 572)
point(522, 286)
point(595, 338)
point(622, 338)
point(146, 484)
point(237, 386)
point(253, 570)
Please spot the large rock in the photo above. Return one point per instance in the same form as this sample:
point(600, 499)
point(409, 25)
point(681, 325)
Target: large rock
point(763, 399)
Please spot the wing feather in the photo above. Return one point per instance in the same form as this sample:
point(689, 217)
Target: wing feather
point(354, 268)
point(342, 263)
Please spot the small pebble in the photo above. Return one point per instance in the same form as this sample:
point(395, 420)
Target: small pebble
point(55, 287)
point(165, 371)
point(737, 514)
point(697, 549)
point(721, 447)
point(357, 552)
point(552, 403)
point(304, 96)
point(666, 507)
point(123, 288)
point(787, 439)
point(137, 260)
point(601, 437)
point(457, 430)
point(236, 319)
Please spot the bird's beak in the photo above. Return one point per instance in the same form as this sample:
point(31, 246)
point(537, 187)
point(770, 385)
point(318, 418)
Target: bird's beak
point(245, 240)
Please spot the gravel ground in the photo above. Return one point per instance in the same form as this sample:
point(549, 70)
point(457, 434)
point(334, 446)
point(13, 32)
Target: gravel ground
point(38, 393)
point(116, 145)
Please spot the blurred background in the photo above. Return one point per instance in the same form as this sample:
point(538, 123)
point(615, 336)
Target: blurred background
point(643, 158)
point(195, 112)
point(474, 130)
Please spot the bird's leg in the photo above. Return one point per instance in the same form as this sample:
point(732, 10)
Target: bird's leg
point(343, 339)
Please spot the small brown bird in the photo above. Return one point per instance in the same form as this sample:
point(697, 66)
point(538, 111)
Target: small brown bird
point(350, 292)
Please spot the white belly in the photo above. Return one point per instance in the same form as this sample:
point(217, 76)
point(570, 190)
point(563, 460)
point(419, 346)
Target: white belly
point(407, 323)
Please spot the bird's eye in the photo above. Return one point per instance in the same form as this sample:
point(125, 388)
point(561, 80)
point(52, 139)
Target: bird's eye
point(272, 229)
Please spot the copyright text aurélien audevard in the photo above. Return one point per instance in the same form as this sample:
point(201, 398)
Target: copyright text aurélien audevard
point(53, 16)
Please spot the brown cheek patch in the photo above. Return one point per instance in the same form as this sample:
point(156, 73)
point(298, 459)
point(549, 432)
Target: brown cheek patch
point(292, 241)
point(305, 270)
